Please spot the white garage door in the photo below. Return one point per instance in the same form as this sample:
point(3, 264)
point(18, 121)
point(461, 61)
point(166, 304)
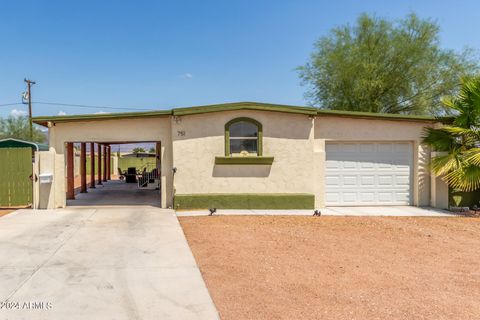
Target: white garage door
point(368, 173)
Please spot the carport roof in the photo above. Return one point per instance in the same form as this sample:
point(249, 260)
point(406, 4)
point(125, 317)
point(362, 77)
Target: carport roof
point(43, 120)
point(16, 143)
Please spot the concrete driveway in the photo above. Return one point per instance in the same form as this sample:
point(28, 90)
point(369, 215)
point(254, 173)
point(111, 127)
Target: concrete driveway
point(99, 263)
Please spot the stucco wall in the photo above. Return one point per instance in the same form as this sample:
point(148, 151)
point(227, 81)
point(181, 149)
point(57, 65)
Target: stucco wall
point(349, 129)
point(120, 130)
point(297, 143)
point(48, 195)
point(197, 139)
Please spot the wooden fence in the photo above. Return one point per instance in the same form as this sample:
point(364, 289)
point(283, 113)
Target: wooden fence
point(15, 177)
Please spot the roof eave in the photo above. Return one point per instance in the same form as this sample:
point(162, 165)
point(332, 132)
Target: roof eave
point(244, 106)
point(94, 117)
point(379, 116)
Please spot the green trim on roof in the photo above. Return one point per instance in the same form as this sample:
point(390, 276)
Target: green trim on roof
point(256, 106)
point(244, 106)
point(103, 116)
point(358, 114)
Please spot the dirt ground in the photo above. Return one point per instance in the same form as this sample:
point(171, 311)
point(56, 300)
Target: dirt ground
point(339, 267)
point(4, 212)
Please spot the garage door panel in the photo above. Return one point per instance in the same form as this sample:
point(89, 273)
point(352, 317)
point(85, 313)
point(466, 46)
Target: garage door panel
point(386, 165)
point(365, 165)
point(402, 196)
point(384, 147)
point(332, 147)
point(334, 165)
point(367, 181)
point(333, 180)
point(403, 147)
point(368, 173)
point(349, 180)
point(349, 147)
point(349, 197)
point(349, 165)
point(385, 197)
point(367, 197)
point(367, 147)
point(333, 197)
point(402, 180)
point(385, 180)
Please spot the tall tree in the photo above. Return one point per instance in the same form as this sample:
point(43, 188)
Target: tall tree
point(459, 143)
point(383, 66)
point(19, 127)
point(138, 150)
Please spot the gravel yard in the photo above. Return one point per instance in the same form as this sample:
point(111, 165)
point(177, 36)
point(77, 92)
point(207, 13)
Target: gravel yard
point(4, 212)
point(259, 267)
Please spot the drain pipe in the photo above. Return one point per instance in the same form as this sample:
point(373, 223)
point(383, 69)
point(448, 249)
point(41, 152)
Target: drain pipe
point(174, 170)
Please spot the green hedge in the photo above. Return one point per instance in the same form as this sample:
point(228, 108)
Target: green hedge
point(245, 201)
point(465, 199)
point(139, 163)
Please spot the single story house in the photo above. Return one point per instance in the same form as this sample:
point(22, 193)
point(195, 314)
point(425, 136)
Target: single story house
point(258, 155)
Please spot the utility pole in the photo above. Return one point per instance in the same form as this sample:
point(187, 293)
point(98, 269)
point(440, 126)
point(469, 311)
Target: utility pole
point(29, 92)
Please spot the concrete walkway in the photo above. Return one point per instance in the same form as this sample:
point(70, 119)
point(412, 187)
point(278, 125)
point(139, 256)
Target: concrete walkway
point(99, 263)
point(116, 193)
point(392, 211)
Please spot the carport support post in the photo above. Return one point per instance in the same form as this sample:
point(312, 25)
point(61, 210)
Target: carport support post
point(70, 172)
point(99, 164)
point(83, 167)
point(109, 162)
point(105, 163)
point(92, 165)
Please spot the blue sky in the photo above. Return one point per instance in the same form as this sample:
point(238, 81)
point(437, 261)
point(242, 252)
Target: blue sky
point(159, 54)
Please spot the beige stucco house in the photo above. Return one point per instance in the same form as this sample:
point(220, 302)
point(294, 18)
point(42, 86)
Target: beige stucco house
point(256, 155)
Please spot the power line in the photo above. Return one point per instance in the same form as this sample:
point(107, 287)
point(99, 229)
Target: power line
point(11, 104)
point(87, 106)
point(73, 105)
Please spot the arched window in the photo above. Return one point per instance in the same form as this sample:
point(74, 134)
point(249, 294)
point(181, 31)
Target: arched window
point(243, 136)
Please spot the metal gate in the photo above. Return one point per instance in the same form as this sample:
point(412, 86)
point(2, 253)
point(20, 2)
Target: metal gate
point(15, 177)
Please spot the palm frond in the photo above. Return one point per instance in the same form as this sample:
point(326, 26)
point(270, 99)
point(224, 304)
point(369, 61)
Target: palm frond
point(469, 137)
point(465, 179)
point(460, 166)
point(473, 156)
point(444, 164)
point(440, 140)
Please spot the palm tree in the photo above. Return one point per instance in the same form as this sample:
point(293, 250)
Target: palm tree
point(458, 143)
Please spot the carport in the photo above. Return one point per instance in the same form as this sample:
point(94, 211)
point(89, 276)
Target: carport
point(94, 134)
point(94, 176)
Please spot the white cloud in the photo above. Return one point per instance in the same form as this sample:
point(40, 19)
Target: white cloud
point(61, 113)
point(187, 76)
point(101, 112)
point(18, 113)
